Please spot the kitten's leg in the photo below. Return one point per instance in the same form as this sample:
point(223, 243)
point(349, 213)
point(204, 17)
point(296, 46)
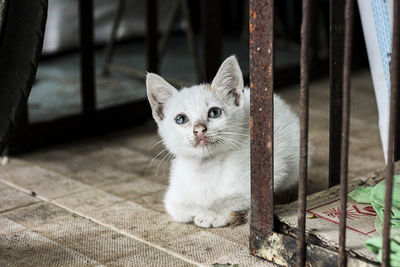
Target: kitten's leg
point(179, 212)
point(210, 219)
point(231, 210)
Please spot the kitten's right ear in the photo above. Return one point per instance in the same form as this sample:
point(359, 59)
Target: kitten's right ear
point(159, 91)
point(229, 81)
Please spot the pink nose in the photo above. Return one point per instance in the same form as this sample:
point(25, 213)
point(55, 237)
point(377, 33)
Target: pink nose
point(199, 129)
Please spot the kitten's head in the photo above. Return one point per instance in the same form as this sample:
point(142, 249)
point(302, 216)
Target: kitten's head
point(202, 120)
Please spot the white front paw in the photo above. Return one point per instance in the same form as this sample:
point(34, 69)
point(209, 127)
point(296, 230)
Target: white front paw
point(179, 212)
point(207, 220)
point(182, 217)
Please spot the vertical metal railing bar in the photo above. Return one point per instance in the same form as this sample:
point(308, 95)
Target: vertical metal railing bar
point(211, 31)
point(304, 106)
point(336, 83)
point(110, 45)
point(169, 23)
point(261, 119)
point(152, 35)
point(394, 86)
point(191, 38)
point(87, 57)
point(348, 43)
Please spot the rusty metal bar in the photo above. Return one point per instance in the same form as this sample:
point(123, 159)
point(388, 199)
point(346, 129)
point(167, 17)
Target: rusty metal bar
point(336, 83)
point(304, 104)
point(152, 35)
point(394, 87)
point(348, 43)
point(261, 28)
point(88, 92)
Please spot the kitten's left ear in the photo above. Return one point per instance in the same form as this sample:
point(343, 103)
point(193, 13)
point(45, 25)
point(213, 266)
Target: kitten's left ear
point(229, 80)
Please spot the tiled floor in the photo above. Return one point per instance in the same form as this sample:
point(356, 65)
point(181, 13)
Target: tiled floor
point(99, 201)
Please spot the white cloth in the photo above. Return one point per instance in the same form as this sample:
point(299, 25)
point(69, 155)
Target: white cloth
point(376, 19)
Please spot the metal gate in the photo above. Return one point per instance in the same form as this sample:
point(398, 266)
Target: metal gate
point(263, 231)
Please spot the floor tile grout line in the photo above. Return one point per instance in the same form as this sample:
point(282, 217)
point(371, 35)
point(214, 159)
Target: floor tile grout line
point(115, 229)
point(95, 187)
point(122, 232)
point(89, 187)
point(26, 191)
point(141, 174)
point(18, 207)
point(32, 230)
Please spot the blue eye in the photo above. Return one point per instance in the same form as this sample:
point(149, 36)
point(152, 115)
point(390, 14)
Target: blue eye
point(181, 119)
point(214, 113)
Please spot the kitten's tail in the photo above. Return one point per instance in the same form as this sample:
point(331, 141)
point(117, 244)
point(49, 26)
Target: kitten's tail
point(238, 217)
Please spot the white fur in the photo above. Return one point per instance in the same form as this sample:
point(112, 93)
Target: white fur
point(209, 182)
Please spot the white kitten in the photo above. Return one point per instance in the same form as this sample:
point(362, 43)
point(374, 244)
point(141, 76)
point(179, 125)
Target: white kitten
point(206, 128)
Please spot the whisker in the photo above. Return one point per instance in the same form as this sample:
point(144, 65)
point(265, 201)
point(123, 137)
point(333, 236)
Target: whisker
point(155, 144)
point(236, 124)
point(233, 134)
point(152, 160)
point(168, 160)
point(161, 162)
point(232, 142)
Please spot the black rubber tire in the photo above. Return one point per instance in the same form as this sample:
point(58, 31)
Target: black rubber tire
point(21, 41)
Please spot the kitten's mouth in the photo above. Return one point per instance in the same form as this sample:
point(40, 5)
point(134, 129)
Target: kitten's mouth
point(202, 141)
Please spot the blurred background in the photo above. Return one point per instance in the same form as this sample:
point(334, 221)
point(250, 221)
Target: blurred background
point(80, 92)
point(183, 41)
